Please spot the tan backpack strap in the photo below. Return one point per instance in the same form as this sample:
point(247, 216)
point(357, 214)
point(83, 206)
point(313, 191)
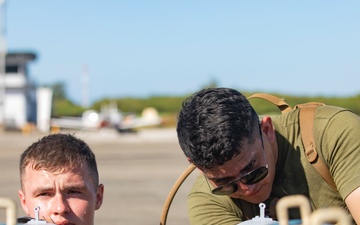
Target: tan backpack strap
point(173, 192)
point(307, 112)
point(280, 103)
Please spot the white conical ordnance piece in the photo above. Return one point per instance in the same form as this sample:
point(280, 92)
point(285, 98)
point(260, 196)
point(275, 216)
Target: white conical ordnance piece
point(260, 220)
point(36, 221)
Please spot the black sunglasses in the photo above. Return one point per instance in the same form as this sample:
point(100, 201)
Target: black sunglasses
point(252, 177)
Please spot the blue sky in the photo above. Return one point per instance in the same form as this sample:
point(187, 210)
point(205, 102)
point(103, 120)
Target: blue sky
point(153, 47)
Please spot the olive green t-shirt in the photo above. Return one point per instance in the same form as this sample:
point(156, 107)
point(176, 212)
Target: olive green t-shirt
point(337, 138)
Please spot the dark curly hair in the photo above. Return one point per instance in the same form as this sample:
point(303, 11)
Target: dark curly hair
point(212, 125)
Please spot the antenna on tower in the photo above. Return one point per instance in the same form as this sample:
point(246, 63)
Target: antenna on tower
point(2, 62)
point(85, 86)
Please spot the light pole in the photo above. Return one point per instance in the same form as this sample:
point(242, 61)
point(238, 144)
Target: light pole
point(2, 63)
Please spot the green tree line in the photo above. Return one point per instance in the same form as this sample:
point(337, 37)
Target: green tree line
point(169, 106)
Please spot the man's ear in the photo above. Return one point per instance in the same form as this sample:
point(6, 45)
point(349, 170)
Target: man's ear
point(99, 196)
point(268, 129)
point(23, 202)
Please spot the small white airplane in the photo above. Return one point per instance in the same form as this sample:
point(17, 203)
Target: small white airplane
point(109, 117)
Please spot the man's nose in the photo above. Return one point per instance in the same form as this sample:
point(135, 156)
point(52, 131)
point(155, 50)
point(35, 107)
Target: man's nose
point(244, 187)
point(59, 205)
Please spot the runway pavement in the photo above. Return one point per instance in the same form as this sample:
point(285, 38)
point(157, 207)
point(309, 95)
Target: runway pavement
point(137, 170)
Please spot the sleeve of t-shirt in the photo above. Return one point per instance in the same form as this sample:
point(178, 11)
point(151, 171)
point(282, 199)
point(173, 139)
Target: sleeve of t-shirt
point(341, 149)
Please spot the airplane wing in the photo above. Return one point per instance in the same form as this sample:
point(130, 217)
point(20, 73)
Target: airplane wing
point(90, 120)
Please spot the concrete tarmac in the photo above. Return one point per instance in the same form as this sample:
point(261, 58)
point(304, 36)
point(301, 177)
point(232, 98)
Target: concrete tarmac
point(137, 170)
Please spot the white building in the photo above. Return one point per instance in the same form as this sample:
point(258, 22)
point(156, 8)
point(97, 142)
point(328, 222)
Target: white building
point(18, 92)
